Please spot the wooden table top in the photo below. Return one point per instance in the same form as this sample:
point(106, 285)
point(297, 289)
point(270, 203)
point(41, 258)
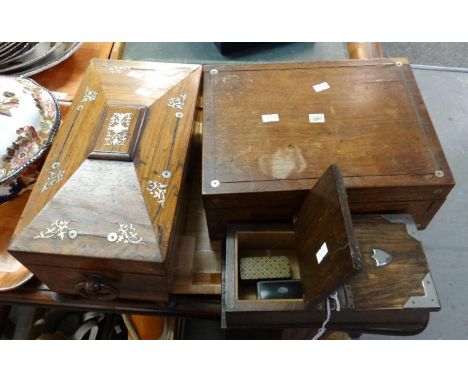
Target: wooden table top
point(65, 78)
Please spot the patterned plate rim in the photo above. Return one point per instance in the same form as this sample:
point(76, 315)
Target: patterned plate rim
point(45, 146)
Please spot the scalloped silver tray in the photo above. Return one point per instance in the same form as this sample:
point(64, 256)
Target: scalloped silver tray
point(20, 54)
point(19, 51)
point(61, 53)
point(39, 52)
point(11, 50)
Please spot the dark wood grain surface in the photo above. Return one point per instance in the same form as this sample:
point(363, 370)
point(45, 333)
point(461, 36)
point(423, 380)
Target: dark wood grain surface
point(324, 220)
point(376, 129)
point(395, 283)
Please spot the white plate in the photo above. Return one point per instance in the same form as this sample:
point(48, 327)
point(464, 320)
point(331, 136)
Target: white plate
point(29, 117)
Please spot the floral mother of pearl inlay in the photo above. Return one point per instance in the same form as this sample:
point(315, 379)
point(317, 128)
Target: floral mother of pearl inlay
point(54, 176)
point(158, 189)
point(178, 104)
point(88, 96)
point(117, 130)
point(126, 233)
point(117, 69)
point(57, 230)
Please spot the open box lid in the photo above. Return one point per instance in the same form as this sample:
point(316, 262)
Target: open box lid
point(327, 249)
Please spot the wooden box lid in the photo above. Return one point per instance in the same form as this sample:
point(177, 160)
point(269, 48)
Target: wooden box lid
point(327, 249)
point(110, 186)
point(395, 274)
point(266, 128)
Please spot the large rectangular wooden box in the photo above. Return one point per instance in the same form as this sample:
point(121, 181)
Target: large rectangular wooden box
point(103, 217)
point(268, 135)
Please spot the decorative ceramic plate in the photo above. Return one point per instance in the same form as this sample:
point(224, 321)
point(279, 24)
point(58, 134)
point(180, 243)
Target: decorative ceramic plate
point(29, 117)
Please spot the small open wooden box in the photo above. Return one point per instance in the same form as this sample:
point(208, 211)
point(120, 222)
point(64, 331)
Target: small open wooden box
point(396, 287)
point(324, 219)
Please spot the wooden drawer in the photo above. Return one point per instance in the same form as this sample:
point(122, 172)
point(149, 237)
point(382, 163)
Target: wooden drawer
point(400, 291)
point(103, 285)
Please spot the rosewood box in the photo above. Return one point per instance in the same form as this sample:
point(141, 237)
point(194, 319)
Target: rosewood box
point(373, 265)
point(271, 130)
point(103, 217)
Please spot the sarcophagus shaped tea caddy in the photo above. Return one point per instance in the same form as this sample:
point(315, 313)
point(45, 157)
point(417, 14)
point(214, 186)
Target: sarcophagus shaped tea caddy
point(103, 217)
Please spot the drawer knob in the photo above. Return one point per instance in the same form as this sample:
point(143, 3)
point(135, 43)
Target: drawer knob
point(96, 287)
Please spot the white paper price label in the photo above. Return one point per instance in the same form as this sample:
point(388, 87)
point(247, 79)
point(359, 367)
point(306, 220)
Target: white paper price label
point(270, 118)
point(317, 118)
point(321, 253)
point(321, 87)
